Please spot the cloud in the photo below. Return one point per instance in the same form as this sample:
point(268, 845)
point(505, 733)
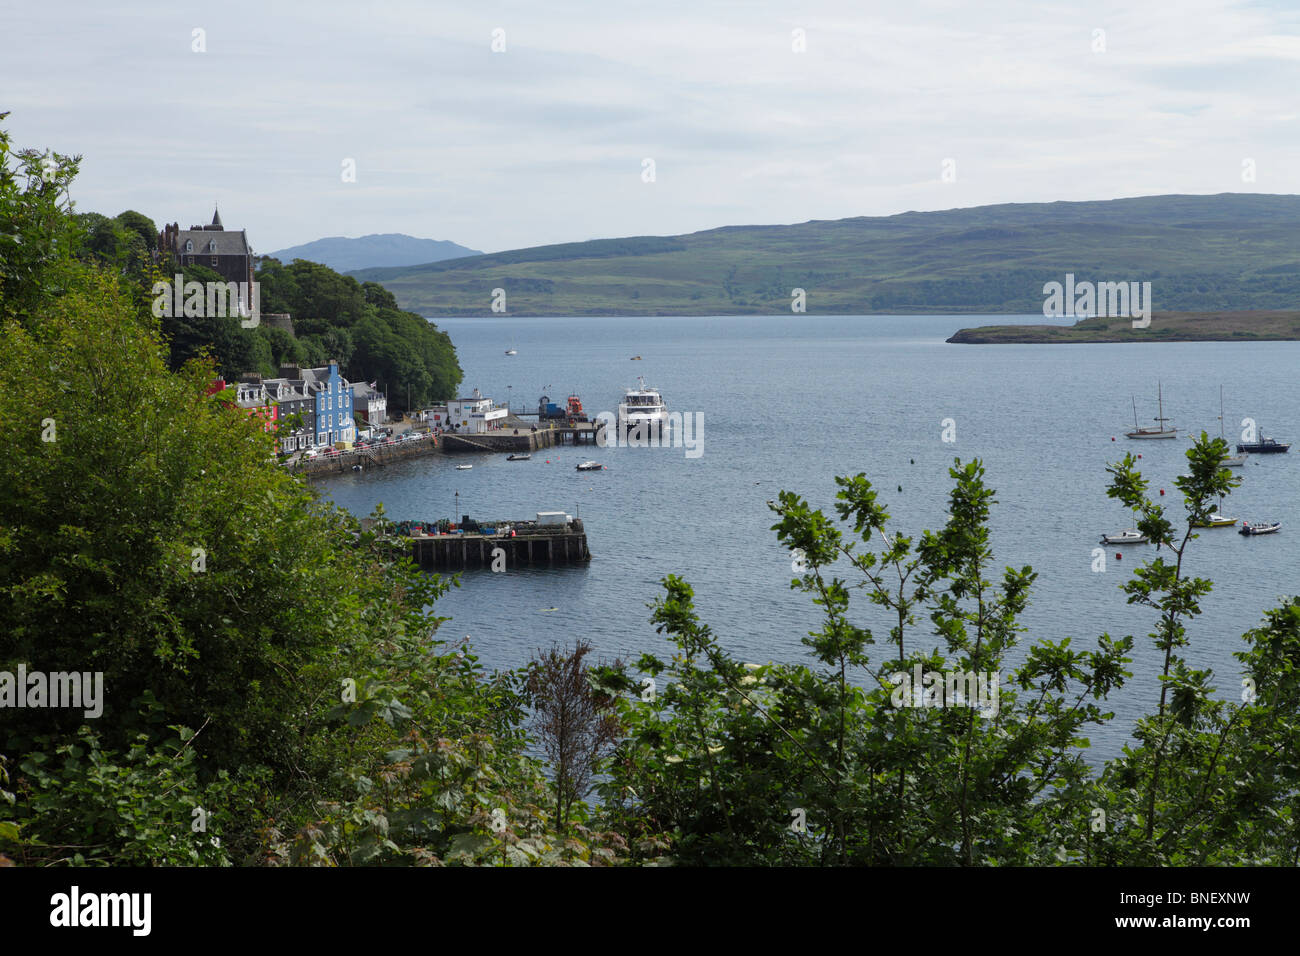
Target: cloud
point(544, 142)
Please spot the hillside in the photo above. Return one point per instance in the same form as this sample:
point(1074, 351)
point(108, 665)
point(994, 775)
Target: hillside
point(1201, 253)
point(387, 249)
point(1280, 325)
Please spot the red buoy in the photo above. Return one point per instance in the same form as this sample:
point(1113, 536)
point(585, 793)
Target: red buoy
point(1139, 456)
point(1118, 556)
point(1162, 491)
point(1112, 437)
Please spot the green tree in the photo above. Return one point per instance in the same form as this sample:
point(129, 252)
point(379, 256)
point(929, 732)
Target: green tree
point(844, 762)
point(38, 236)
point(1207, 782)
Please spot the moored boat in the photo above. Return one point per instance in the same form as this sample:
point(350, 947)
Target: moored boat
point(1132, 536)
point(642, 406)
point(1159, 432)
point(1260, 527)
point(1265, 446)
point(1229, 461)
point(1215, 520)
point(590, 466)
point(464, 467)
point(518, 457)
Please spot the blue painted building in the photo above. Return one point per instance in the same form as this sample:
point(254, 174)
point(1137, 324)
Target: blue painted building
point(334, 399)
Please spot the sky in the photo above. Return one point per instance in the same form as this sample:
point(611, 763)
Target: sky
point(750, 112)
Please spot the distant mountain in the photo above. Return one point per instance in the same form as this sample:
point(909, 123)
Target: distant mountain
point(389, 249)
point(1201, 253)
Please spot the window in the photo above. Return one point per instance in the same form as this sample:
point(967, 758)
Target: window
point(189, 246)
point(212, 246)
point(214, 260)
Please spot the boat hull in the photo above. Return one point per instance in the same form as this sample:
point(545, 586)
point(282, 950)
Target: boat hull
point(1171, 433)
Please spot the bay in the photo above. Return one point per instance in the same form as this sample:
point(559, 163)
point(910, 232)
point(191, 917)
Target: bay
point(789, 402)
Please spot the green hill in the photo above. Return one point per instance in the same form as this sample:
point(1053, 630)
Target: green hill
point(1201, 253)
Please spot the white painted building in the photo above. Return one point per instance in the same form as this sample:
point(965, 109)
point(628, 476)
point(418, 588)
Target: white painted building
point(476, 415)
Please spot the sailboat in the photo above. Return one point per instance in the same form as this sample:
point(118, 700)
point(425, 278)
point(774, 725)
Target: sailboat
point(1230, 461)
point(1160, 432)
point(1216, 519)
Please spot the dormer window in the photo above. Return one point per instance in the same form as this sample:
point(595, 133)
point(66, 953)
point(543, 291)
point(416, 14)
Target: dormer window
point(189, 245)
point(212, 245)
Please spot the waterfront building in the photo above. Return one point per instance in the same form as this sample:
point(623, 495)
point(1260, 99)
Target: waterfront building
point(476, 415)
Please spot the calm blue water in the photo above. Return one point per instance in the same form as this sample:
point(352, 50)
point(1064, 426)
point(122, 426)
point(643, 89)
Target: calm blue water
point(788, 403)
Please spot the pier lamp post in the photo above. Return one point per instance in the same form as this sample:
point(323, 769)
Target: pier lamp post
point(455, 514)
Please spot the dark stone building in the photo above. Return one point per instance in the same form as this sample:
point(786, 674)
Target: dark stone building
point(225, 251)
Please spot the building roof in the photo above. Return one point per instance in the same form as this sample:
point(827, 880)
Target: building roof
point(228, 243)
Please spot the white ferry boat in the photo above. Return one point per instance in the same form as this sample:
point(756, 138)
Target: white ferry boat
point(642, 406)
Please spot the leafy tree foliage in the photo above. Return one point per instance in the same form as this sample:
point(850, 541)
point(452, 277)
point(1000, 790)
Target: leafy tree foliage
point(268, 671)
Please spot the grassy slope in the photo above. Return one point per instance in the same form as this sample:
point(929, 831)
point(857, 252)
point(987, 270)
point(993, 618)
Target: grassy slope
point(1232, 251)
point(1165, 327)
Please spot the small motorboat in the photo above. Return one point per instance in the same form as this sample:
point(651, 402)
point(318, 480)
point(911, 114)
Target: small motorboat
point(464, 467)
point(1216, 520)
point(1260, 527)
point(590, 466)
point(518, 457)
point(1132, 536)
point(636, 358)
